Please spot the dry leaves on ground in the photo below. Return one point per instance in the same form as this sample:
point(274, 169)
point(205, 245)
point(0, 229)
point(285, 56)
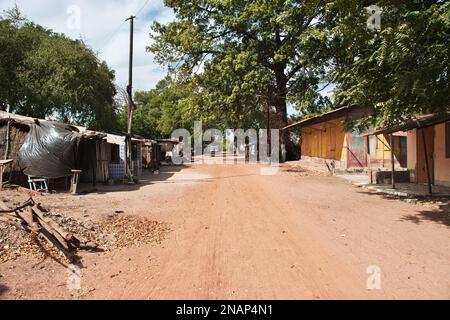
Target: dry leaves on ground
point(114, 232)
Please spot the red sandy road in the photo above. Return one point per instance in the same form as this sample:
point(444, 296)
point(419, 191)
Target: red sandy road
point(240, 235)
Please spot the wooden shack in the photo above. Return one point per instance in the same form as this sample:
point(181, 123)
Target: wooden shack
point(325, 139)
point(428, 148)
point(151, 155)
point(93, 158)
point(90, 156)
point(116, 149)
point(13, 133)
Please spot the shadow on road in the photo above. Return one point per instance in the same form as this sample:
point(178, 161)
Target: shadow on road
point(3, 289)
point(441, 216)
point(147, 178)
point(381, 195)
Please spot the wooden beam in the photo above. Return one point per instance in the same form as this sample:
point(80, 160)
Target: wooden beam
point(1, 176)
point(392, 161)
point(8, 139)
point(427, 164)
point(369, 164)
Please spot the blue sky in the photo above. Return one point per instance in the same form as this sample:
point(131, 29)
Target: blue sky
point(101, 25)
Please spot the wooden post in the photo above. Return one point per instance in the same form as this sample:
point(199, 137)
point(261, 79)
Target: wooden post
point(369, 164)
point(94, 164)
point(392, 161)
point(269, 131)
point(130, 102)
point(75, 180)
point(247, 153)
point(1, 176)
point(258, 147)
point(8, 139)
point(430, 189)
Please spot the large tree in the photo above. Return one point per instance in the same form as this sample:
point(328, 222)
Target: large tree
point(45, 74)
point(169, 106)
point(272, 50)
point(401, 68)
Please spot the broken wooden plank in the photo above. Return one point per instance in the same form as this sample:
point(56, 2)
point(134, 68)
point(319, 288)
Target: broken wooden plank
point(29, 202)
point(52, 241)
point(40, 213)
point(50, 230)
point(27, 216)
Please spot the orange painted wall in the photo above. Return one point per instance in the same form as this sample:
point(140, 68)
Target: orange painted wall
point(441, 163)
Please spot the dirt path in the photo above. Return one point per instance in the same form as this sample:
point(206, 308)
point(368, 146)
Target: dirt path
point(239, 235)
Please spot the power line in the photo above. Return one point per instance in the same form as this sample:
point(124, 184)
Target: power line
point(142, 8)
point(112, 35)
point(116, 31)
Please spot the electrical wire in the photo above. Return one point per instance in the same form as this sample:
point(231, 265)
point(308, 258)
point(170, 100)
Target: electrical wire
point(116, 31)
point(112, 36)
point(142, 8)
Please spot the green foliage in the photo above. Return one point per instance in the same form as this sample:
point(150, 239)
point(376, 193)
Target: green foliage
point(170, 106)
point(242, 50)
point(401, 70)
point(287, 50)
point(43, 73)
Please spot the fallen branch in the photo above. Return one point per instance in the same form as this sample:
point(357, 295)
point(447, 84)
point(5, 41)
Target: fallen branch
point(28, 218)
point(31, 218)
point(28, 203)
point(40, 213)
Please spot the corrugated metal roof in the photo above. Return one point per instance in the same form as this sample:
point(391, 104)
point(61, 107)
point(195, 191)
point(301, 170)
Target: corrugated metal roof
point(28, 121)
point(422, 121)
point(332, 115)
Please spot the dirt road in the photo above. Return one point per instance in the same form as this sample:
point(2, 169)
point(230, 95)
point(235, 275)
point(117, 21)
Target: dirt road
point(239, 235)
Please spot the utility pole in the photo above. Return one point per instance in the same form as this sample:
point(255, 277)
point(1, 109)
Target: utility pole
point(130, 98)
point(269, 130)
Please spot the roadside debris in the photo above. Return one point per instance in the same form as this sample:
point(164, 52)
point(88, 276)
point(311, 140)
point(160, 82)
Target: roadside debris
point(302, 171)
point(126, 231)
point(30, 229)
point(32, 218)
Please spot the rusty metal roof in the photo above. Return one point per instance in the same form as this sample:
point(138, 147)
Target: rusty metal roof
point(332, 115)
point(422, 121)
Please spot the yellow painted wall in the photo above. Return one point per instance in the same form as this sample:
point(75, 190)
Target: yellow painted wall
point(317, 142)
point(325, 140)
point(328, 140)
point(441, 163)
point(383, 151)
point(380, 151)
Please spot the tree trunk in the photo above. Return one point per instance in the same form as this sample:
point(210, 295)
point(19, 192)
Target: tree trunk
point(279, 101)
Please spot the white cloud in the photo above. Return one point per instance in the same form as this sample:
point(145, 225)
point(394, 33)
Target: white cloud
point(102, 27)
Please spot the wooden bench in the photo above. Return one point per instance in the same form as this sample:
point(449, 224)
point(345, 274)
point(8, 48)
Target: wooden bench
point(75, 180)
point(38, 184)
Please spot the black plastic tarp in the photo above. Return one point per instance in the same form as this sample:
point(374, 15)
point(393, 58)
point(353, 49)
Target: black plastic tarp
point(49, 150)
